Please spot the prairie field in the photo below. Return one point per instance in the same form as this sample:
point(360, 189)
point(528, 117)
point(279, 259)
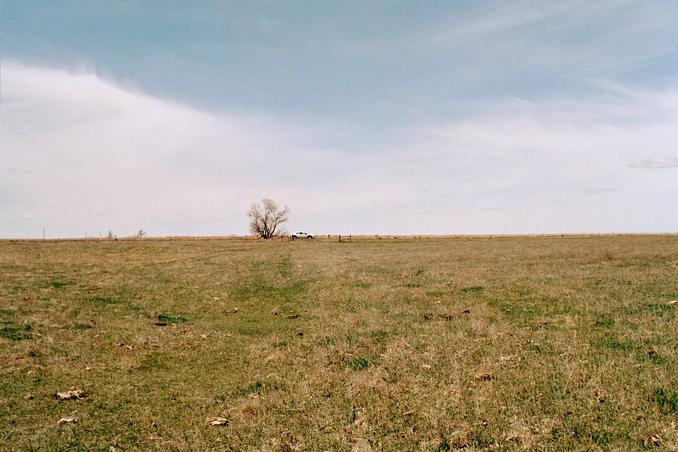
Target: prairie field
point(511, 343)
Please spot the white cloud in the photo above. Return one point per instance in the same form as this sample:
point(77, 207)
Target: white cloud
point(109, 158)
point(655, 163)
point(99, 157)
point(599, 190)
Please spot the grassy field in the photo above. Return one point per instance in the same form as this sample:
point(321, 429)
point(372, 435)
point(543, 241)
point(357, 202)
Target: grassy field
point(429, 344)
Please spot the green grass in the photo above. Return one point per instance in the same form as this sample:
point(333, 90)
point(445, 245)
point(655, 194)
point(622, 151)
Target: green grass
point(360, 364)
point(57, 284)
point(412, 344)
point(172, 318)
point(15, 332)
point(667, 401)
point(472, 289)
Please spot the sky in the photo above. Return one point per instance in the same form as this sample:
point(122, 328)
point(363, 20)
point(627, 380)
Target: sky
point(379, 117)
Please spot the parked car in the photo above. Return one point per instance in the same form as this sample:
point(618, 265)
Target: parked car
point(301, 235)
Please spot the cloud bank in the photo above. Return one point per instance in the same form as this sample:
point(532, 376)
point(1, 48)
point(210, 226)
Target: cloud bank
point(82, 155)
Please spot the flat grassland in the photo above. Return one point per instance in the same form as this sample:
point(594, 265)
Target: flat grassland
point(431, 344)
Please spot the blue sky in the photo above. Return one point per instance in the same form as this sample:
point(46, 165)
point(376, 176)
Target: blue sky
point(370, 117)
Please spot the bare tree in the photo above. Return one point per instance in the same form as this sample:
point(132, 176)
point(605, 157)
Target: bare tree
point(266, 218)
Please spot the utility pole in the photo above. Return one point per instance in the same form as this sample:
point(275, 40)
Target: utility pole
point(43, 233)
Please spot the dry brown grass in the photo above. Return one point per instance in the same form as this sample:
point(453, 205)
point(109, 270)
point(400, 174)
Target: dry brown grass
point(402, 344)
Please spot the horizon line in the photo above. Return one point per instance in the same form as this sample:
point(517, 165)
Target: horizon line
point(325, 237)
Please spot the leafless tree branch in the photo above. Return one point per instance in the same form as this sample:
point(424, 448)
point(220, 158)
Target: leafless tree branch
point(266, 218)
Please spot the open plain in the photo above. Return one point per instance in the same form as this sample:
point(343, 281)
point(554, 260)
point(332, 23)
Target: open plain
point(401, 344)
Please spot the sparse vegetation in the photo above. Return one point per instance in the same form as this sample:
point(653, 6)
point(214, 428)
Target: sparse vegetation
point(431, 344)
point(101, 300)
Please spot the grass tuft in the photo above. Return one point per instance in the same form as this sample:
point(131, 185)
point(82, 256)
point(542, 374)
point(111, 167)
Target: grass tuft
point(99, 300)
point(667, 401)
point(257, 387)
point(56, 284)
point(472, 289)
point(604, 323)
point(153, 361)
point(16, 333)
point(172, 318)
point(443, 446)
point(360, 364)
point(613, 343)
point(659, 309)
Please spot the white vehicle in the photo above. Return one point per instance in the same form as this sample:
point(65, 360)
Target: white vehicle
point(301, 235)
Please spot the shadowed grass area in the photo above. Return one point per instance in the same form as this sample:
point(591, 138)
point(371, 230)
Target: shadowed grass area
point(433, 344)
